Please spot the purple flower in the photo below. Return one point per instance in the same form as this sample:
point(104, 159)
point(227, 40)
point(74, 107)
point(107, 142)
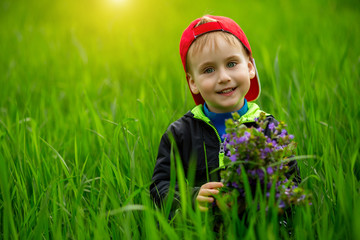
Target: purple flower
point(252, 172)
point(283, 133)
point(270, 170)
point(264, 152)
point(281, 204)
point(263, 155)
point(235, 185)
point(279, 147)
point(271, 126)
point(241, 140)
point(272, 142)
point(232, 143)
point(260, 174)
point(291, 137)
point(302, 197)
point(238, 170)
point(233, 158)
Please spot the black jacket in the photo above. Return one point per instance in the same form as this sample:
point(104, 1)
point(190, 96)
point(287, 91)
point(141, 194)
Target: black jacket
point(197, 142)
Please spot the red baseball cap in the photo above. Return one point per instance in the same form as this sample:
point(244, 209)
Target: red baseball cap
point(222, 24)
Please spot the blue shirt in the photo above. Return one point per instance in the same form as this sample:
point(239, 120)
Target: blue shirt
point(218, 119)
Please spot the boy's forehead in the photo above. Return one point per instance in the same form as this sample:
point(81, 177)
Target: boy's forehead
point(214, 41)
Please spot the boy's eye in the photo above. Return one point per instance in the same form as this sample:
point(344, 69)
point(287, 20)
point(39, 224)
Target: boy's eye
point(209, 70)
point(231, 64)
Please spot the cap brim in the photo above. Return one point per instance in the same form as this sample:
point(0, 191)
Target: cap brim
point(255, 87)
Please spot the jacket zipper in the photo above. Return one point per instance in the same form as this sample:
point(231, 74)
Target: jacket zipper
point(222, 148)
point(221, 155)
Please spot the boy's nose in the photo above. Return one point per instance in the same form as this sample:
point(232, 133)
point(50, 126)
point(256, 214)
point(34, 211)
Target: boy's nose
point(223, 76)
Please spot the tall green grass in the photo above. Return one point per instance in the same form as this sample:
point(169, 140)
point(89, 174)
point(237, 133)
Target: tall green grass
point(88, 88)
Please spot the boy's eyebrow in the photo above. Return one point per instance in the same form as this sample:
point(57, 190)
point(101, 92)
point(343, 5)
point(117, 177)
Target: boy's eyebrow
point(232, 57)
point(205, 64)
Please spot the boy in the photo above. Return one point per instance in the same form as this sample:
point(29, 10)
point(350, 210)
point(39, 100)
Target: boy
point(222, 77)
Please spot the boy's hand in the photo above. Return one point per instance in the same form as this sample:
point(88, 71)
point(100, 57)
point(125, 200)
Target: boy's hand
point(205, 194)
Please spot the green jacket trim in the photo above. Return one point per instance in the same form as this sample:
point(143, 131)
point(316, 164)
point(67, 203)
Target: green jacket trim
point(252, 113)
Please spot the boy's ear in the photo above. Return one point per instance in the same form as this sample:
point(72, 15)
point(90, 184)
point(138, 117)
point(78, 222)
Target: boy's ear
point(192, 84)
point(251, 68)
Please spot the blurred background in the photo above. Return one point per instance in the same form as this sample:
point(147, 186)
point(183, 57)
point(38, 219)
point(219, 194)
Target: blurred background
point(125, 50)
point(124, 53)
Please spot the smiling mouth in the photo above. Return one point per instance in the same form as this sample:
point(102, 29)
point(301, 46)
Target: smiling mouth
point(225, 91)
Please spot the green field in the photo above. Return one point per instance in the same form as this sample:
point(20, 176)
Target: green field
point(87, 88)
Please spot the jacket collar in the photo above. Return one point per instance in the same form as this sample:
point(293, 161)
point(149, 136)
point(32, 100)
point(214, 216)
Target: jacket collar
point(252, 113)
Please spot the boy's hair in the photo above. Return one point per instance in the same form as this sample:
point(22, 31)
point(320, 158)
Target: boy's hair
point(209, 40)
point(201, 31)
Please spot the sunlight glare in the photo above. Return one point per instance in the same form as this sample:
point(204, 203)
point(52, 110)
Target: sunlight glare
point(117, 1)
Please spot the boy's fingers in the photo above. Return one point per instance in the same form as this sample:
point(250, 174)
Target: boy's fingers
point(202, 199)
point(213, 185)
point(208, 192)
point(203, 209)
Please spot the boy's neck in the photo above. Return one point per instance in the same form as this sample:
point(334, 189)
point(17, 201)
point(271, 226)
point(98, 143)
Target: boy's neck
point(214, 116)
point(218, 119)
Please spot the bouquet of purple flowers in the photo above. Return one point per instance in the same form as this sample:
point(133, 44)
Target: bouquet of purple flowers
point(254, 160)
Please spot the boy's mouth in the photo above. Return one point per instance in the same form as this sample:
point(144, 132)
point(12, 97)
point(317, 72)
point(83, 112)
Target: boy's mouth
point(226, 91)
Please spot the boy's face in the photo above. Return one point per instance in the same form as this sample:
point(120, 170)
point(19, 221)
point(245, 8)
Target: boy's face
point(221, 73)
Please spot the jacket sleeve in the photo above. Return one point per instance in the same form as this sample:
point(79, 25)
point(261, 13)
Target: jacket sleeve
point(293, 171)
point(161, 176)
point(159, 189)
